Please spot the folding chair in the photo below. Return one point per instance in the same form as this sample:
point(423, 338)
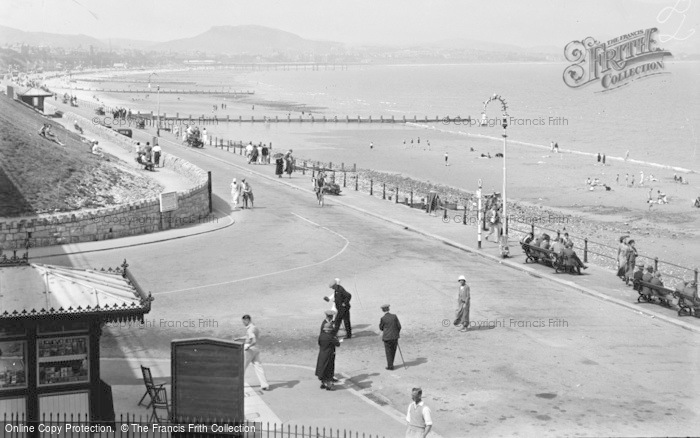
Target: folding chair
point(160, 401)
point(151, 388)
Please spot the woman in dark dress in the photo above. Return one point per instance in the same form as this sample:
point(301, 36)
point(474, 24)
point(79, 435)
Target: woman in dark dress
point(327, 341)
point(289, 162)
point(631, 261)
point(279, 167)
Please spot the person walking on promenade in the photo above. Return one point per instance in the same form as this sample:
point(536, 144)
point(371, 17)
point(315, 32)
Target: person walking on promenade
point(463, 302)
point(279, 166)
point(622, 250)
point(252, 353)
point(342, 304)
point(391, 327)
point(327, 342)
point(418, 416)
point(157, 150)
point(631, 261)
point(236, 190)
point(289, 163)
point(247, 192)
point(495, 223)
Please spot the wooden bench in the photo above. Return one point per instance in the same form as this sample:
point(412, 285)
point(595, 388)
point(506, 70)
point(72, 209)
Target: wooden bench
point(688, 301)
point(535, 254)
point(651, 293)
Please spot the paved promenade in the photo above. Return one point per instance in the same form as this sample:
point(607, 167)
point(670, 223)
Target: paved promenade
point(548, 354)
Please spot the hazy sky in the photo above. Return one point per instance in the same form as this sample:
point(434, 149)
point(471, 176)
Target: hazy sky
point(521, 22)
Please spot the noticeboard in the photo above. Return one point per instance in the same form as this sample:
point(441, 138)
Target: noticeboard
point(168, 201)
point(208, 379)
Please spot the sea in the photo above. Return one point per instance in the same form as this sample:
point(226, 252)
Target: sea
point(656, 119)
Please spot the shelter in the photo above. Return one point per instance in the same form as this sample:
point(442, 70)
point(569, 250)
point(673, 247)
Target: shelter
point(51, 320)
point(33, 96)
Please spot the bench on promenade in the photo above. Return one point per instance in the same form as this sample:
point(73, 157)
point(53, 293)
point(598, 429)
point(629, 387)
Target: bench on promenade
point(535, 254)
point(653, 293)
point(688, 301)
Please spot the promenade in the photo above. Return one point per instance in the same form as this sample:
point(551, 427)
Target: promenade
point(548, 354)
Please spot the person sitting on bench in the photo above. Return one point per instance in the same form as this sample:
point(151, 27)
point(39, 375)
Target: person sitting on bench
point(143, 160)
point(571, 255)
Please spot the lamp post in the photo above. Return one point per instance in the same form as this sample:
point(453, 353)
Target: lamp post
point(158, 100)
point(504, 124)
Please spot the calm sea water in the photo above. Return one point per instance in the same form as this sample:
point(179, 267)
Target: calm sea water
point(656, 119)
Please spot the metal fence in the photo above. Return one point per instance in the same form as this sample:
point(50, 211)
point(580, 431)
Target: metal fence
point(143, 426)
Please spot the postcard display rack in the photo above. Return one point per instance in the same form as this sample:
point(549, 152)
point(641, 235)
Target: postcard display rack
point(46, 361)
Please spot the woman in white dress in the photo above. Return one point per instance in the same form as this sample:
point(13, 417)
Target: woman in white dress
point(235, 193)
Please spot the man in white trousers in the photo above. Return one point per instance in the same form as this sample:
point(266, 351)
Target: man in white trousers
point(252, 353)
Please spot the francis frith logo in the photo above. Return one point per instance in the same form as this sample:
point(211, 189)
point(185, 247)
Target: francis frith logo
point(614, 63)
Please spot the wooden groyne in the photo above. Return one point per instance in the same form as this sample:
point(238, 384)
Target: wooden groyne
point(165, 118)
point(131, 81)
point(166, 91)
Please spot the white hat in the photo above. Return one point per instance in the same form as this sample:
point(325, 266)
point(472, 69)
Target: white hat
point(462, 277)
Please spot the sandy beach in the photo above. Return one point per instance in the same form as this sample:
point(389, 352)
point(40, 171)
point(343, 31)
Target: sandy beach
point(554, 183)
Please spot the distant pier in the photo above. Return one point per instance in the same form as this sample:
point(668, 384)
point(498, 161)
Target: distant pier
point(288, 119)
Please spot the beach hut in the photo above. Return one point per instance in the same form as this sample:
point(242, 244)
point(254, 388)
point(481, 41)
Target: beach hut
point(51, 320)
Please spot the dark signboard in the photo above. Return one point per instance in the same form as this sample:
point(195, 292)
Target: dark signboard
point(208, 379)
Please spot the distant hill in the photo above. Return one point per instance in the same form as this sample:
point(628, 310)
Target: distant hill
point(258, 40)
point(9, 35)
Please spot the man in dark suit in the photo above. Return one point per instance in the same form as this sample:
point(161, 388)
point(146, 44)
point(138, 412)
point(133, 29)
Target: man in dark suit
point(342, 304)
point(391, 327)
point(573, 258)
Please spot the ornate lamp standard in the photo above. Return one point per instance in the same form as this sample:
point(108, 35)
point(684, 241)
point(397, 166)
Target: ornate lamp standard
point(504, 123)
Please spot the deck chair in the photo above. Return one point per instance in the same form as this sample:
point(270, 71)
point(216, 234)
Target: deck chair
point(151, 388)
point(159, 401)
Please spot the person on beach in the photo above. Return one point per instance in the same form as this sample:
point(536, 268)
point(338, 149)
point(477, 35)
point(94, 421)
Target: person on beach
point(371, 145)
point(599, 157)
point(551, 146)
point(617, 179)
point(556, 147)
point(446, 159)
point(641, 178)
point(463, 302)
point(632, 185)
point(603, 159)
point(627, 155)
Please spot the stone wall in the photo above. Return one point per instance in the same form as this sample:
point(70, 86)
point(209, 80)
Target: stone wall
point(113, 222)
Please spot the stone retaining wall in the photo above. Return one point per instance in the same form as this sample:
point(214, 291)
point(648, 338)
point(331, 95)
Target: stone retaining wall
point(112, 222)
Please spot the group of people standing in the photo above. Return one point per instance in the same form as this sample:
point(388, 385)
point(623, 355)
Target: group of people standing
point(626, 259)
point(241, 191)
point(284, 163)
point(259, 154)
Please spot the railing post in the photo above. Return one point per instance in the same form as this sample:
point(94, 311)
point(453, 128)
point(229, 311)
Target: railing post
point(303, 169)
point(333, 177)
point(696, 276)
point(354, 167)
point(585, 250)
point(656, 264)
point(356, 181)
point(371, 187)
point(532, 229)
point(383, 190)
point(396, 199)
point(464, 215)
point(345, 174)
point(411, 197)
point(444, 213)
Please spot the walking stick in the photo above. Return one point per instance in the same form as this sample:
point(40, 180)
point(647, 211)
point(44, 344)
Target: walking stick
point(404, 362)
point(357, 294)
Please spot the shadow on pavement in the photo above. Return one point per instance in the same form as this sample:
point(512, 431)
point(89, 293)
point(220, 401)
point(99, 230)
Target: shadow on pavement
point(415, 362)
point(288, 384)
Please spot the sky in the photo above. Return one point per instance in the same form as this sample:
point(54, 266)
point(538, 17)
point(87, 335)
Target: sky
point(395, 22)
